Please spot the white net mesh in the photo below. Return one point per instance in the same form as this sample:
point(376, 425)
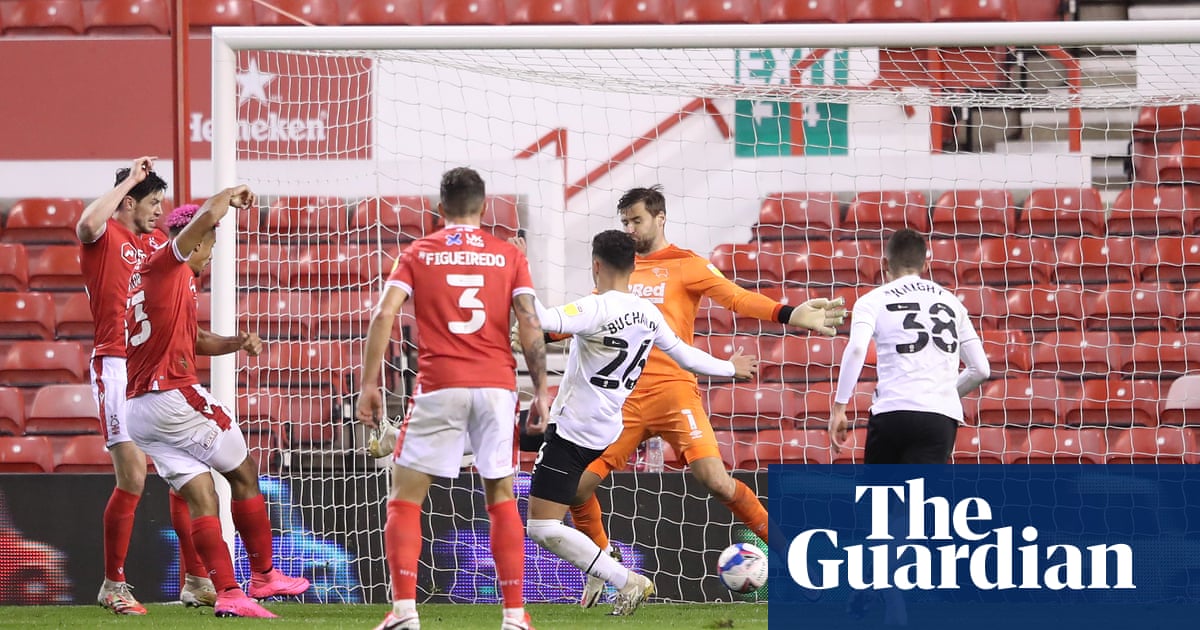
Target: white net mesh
point(1054, 184)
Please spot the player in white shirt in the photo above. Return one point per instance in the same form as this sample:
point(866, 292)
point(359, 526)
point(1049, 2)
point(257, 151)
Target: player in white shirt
point(921, 332)
point(613, 331)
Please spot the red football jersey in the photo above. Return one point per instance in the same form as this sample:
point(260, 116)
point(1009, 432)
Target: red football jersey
point(462, 282)
point(161, 320)
point(108, 263)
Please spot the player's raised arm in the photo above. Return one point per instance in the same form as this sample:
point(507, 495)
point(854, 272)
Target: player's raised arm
point(98, 212)
point(211, 344)
point(370, 400)
point(819, 315)
point(211, 213)
point(529, 331)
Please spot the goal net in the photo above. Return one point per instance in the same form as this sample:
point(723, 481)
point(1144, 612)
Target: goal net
point(1051, 166)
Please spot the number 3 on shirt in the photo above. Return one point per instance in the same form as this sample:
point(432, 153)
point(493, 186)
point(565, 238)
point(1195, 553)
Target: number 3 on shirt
point(137, 302)
point(469, 301)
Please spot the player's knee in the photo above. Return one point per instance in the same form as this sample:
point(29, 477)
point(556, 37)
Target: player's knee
point(541, 530)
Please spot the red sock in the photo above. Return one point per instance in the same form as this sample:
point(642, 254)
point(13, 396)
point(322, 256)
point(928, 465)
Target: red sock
point(118, 527)
point(749, 510)
point(252, 523)
point(508, 550)
point(181, 520)
point(206, 533)
point(589, 520)
point(402, 547)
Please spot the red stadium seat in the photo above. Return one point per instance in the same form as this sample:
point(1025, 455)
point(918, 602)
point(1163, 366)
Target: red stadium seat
point(1088, 260)
point(853, 449)
point(260, 266)
point(970, 68)
point(1006, 261)
point(1154, 211)
point(43, 220)
point(464, 12)
point(641, 12)
point(815, 400)
point(943, 255)
point(266, 449)
point(985, 306)
point(319, 12)
point(988, 445)
point(317, 218)
point(750, 406)
point(14, 268)
point(1069, 354)
point(220, 13)
point(298, 363)
point(797, 215)
point(803, 11)
point(63, 409)
point(547, 11)
point(1140, 307)
point(334, 266)
point(84, 454)
point(275, 314)
point(723, 346)
point(1062, 212)
point(500, 216)
point(1063, 445)
point(1163, 354)
point(749, 264)
point(408, 217)
point(1173, 259)
point(1035, 10)
point(1022, 402)
point(343, 314)
point(12, 411)
point(1039, 308)
point(1182, 405)
point(149, 16)
point(1115, 403)
point(73, 317)
point(254, 410)
point(27, 454)
point(33, 363)
point(713, 319)
point(718, 11)
point(1191, 310)
point(26, 316)
point(878, 214)
point(56, 268)
point(1153, 445)
point(392, 12)
point(888, 11)
point(306, 415)
point(1008, 352)
point(793, 447)
point(829, 263)
point(813, 358)
point(959, 213)
point(974, 11)
point(45, 17)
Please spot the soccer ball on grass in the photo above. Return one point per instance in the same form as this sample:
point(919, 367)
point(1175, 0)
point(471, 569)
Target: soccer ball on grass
point(742, 568)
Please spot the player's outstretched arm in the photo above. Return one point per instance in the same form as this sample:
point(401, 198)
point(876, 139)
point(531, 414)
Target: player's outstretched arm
point(976, 369)
point(211, 344)
point(853, 359)
point(740, 366)
point(529, 330)
point(211, 213)
point(818, 315)
point(96, 214)
point(370, 400)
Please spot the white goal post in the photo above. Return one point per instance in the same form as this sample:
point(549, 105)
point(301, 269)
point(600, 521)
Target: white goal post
point(641, 86)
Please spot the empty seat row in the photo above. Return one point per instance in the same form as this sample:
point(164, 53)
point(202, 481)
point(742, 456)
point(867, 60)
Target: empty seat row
point(403, 218)
point(1145, 210)
point(54, 410)
point(1006, 261)
point(77, 16)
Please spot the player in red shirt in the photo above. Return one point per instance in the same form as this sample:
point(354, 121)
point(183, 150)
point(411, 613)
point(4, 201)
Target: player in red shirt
point(463, 282)
point(115, 232)
point(177, 422)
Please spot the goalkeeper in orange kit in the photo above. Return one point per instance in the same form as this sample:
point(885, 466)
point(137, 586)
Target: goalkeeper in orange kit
point(666, 401)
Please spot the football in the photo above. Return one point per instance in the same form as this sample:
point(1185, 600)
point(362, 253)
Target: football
point(742, 567)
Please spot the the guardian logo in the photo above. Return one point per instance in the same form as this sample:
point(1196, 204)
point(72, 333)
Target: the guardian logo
point(939, 545)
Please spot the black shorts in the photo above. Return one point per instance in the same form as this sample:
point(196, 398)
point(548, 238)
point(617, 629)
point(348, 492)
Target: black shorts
point(558, 466)
point(909, 437)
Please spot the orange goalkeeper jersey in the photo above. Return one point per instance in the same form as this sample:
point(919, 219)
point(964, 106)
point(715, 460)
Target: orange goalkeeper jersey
point(675, 279)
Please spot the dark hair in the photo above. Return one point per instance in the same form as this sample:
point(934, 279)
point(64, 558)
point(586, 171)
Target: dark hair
point(615, 249)
point(462, 192)
point(906, 250)
point(652, 197)
point(152, 184)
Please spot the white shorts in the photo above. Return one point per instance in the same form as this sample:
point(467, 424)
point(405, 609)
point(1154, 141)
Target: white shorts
point(442, 426)
point(108, 388)
point(180, 430)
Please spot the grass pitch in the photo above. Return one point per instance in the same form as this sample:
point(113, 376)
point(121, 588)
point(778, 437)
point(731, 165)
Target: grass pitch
point(433, 617)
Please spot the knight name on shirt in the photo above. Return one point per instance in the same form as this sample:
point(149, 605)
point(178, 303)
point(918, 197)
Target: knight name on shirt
point(629, 319)
point(474, 259)
point(923, 287)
